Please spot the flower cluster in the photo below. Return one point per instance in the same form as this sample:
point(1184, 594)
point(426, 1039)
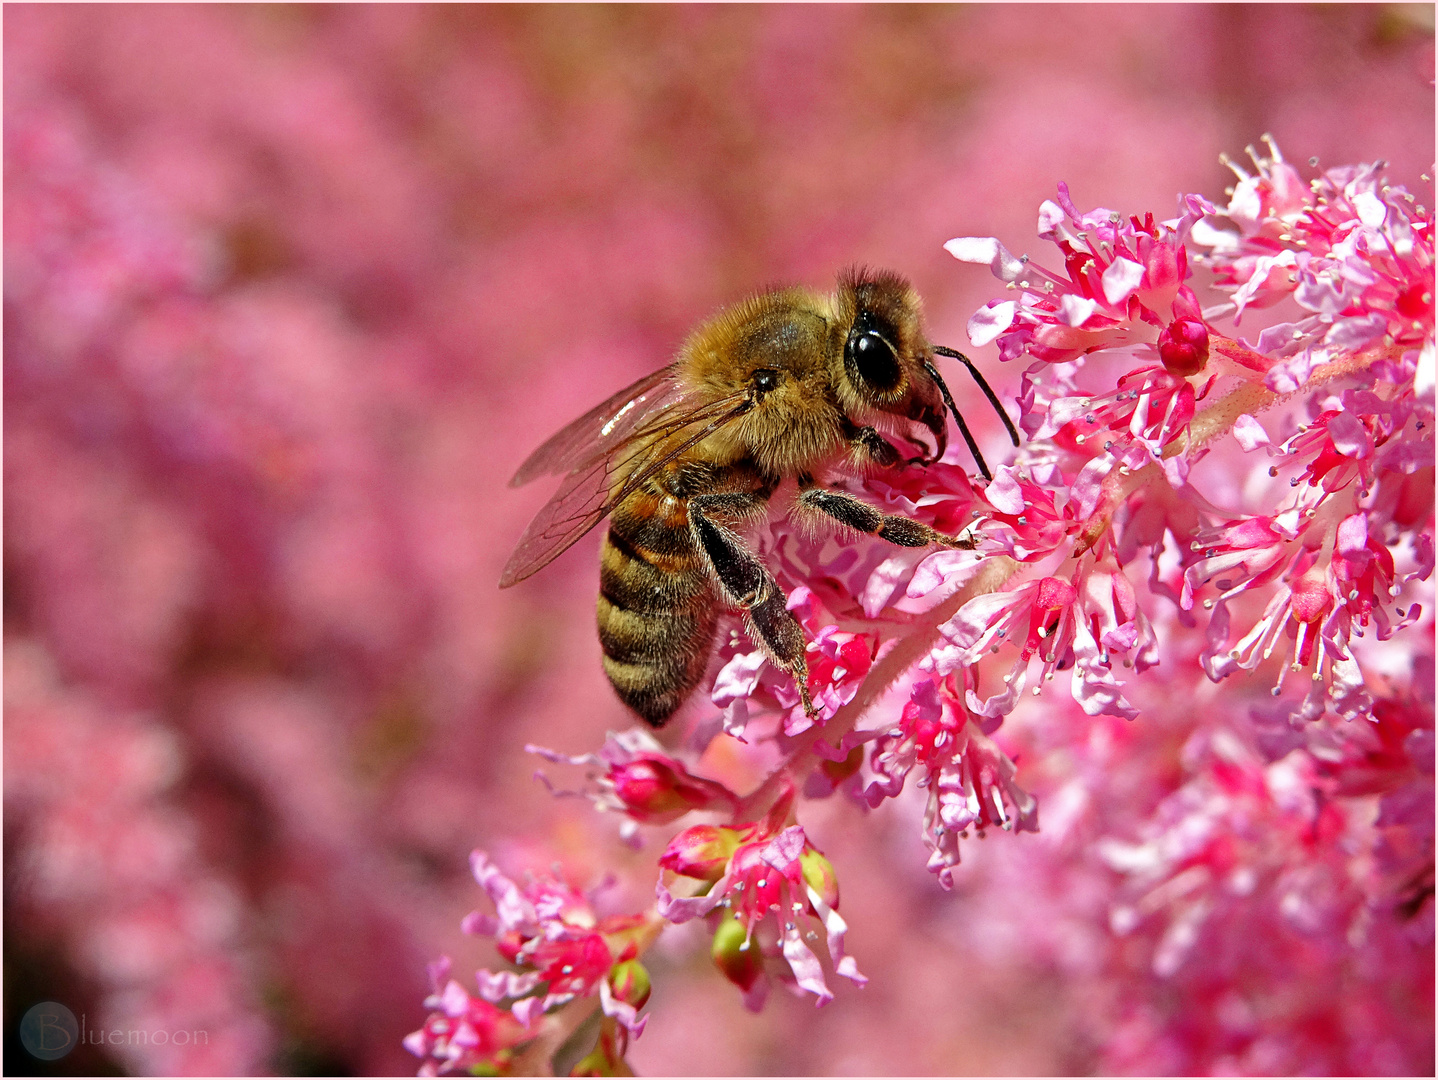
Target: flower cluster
point(562, 951)
point(751, 875)
point(1131, 534)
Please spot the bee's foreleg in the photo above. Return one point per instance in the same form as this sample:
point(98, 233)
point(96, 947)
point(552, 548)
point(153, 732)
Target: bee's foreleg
point(859, 515)
point(869, 447)
point(748, 584)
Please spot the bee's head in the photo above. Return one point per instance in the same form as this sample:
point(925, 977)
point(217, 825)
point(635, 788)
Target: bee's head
point(886, 358)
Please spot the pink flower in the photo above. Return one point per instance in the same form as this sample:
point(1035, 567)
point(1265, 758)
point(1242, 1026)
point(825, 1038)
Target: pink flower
point(970, 781)
point(631, 774)
point(1351, 249)
point(1124, 280)
point(462, 1033)
point(562, 948)
point(838, 660)
point(764, 875)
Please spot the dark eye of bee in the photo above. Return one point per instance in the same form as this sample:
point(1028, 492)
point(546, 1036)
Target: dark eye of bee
point(764, 380)
point(871, 360)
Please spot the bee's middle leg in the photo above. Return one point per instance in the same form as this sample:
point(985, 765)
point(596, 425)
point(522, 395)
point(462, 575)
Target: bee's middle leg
point(748, 584)
point(895, 528)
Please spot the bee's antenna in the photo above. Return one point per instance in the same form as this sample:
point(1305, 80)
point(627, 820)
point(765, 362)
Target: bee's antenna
point(963, 427)
point(954, 354)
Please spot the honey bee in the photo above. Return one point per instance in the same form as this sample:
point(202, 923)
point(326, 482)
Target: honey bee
point(790, 384)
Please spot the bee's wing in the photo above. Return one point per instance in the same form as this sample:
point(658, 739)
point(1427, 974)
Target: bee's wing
point(590, 491)
point(603, 428)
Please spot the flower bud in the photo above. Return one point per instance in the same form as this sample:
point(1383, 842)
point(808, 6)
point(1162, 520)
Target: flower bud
point(650, 791)
point(819, 875)
point(1183, 346)
point(655, 790)
point(735, 954)
point(702, 851)
point(630, 983)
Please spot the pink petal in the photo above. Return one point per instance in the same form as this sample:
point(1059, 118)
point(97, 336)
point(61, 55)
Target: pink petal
point(808, 972)
point(680, 909)
point(987, 251)
point(1005, 494)
point(1249, 433)
point(1121, 279)
point(989, 322)
point(1075, 310)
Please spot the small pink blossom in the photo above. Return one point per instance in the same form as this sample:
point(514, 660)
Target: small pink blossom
point(837, 659)
point(970, 781)
point(1124, 278)
point(758, 870)
point(462, 1032)
point(562, 948)
point(631, 774)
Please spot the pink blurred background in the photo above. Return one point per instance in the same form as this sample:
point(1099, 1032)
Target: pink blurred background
point(289, 294)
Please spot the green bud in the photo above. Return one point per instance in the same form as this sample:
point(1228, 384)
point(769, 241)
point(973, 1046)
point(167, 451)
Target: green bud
point(630, 983)
point(735, 954)
point(819, 875)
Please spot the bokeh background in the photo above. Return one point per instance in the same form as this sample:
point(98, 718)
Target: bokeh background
point(289, 294)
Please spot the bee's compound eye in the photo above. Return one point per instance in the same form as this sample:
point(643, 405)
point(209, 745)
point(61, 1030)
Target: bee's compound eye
point(872, 360)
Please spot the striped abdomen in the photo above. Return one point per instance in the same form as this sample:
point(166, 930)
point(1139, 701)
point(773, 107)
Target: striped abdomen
point(657, 608)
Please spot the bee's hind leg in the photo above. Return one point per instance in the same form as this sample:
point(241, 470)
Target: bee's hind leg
point(895, 528)
point(748, 584)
